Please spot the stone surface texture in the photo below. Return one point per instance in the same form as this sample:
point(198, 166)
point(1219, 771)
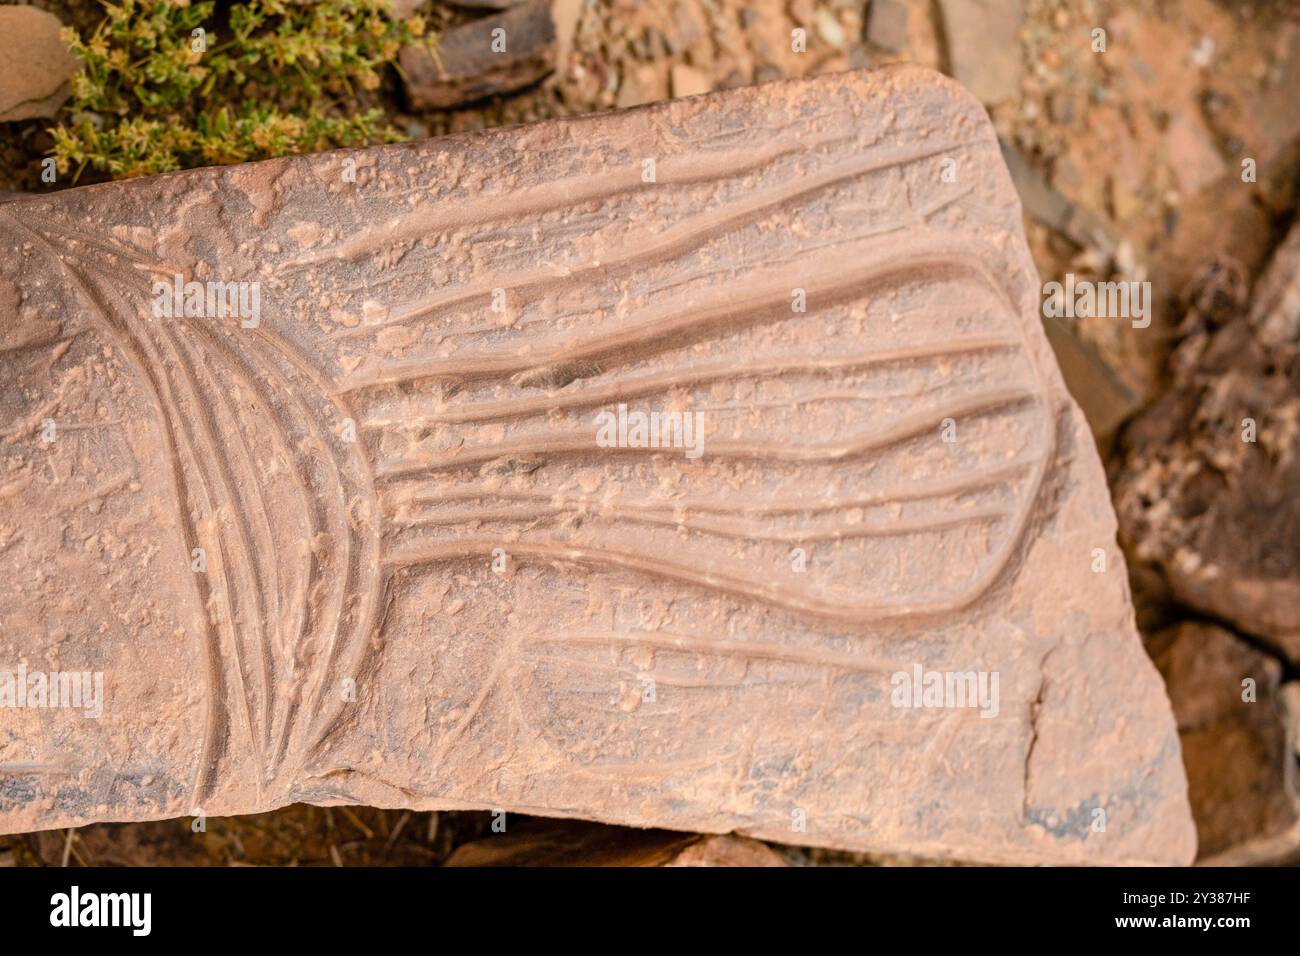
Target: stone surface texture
point(425, 584)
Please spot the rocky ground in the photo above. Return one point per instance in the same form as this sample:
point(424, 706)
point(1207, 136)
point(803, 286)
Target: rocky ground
point(1170, 156)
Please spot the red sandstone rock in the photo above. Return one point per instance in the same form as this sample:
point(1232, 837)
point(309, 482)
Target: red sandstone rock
point(487, 57)
point(983, 47)
point(35, 65)
point(367, 546)
point(1238, 745)
point(1206, 486)
point(575, 843)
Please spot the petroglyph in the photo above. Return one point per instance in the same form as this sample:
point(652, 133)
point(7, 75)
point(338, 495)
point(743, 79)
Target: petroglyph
point(369, 549)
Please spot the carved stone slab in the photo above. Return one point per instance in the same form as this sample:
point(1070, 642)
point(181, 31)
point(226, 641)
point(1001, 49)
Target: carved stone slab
point(387, 529)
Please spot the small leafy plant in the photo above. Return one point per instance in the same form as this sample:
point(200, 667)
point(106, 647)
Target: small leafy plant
point(160, 90)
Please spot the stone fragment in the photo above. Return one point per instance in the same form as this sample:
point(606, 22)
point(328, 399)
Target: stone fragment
point(395, 525)
point(887, 25)
point(1047, 205)
point(35, 64)
point(1191, 153)
point(642, 84)
point(983, 45)
point(1205, 490)
point(727, 849)
point(1238, 745)
point(490, 56)
point(1106, 401)
point(688, 81)
point(1290, 694)
point(577, 843)
point(1275, 304)
point(565, 14)
point(829, 27)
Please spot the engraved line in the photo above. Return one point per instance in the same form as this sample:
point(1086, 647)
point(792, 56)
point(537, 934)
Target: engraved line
point(678, 238)
point(608, 392)
point(573, 442)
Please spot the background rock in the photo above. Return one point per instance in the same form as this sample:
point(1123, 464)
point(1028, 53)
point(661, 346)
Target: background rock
point(577, 843)
point(982, 46)
point(466, 68)
point(1240, 755)
point(35, 64)
point(1216, 513)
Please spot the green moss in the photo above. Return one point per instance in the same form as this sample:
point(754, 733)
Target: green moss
point(160, 90)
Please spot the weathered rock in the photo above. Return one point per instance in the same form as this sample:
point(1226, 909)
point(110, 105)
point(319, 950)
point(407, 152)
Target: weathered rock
point(887, 25)
point(1191, 153)
point(1046, 205)
point(565, 14)
point(1206, 487)
point(727, 850)
point(1275, 307)
point(983, 46)
point(35, 65)
point(368, 541)
point(576, 843)
point(1238, 745)
point(1106, 401)
point(1290, 696)
point(688, 82)
point(488, 57)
